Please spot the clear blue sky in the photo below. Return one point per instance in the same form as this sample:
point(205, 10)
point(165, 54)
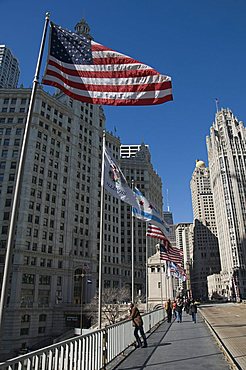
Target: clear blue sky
point(200, 44)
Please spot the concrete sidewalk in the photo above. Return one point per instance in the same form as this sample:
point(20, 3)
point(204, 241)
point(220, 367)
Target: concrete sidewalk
point(178, 346)
point(228, 321)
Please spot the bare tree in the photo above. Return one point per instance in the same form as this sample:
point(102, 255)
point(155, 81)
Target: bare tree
point(113, 309)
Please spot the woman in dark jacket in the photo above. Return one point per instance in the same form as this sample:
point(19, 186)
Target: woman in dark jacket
point(168, 308)
point(193, 310)
point(179, 309)
point(137, 322)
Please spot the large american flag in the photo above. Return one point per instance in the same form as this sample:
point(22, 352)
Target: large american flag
point(93, 73)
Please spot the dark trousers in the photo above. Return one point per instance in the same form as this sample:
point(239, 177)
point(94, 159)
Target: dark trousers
point(193, 314)
point(169, 316)
point(179, 316)
point(141, 330)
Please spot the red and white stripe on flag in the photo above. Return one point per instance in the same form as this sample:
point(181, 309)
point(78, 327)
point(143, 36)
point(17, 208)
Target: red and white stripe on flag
point(175, 255)
point(108, 77)
point(155, 232)
point(168, 253)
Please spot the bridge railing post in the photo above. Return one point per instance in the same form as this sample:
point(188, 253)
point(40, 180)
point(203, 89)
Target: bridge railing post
point(105, 349)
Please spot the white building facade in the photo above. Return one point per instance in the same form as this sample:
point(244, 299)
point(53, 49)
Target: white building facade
point(57, 228)
point(226, 147)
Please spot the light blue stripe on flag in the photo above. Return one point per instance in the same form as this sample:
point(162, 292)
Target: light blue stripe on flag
point(146, 215)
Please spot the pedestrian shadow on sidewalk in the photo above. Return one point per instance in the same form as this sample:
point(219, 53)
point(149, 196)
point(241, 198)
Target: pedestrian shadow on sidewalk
point(142, 356)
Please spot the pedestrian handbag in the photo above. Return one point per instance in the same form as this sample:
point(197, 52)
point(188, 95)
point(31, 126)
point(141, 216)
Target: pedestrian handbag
point(190, 311)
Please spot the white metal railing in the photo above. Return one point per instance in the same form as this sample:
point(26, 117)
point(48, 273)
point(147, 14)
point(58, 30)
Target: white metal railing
point(91, 351)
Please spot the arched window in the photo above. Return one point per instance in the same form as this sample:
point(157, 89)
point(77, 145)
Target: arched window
point(25, 318)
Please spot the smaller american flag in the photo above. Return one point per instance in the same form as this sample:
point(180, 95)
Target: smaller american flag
point(163, 253)
point(175, 255)
point(155, 232)
point(172, 254)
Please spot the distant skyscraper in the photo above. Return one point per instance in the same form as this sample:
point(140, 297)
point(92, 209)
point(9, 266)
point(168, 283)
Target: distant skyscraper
point(9, 68)
point(205, 243)
point(227, 162)
point(184, 241)
point(168, 217)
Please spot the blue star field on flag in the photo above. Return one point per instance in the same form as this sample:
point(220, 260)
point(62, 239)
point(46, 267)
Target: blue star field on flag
point(70, 47)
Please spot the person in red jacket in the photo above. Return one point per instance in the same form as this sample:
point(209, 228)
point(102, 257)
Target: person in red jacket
point(137, 322)
point(174, 309)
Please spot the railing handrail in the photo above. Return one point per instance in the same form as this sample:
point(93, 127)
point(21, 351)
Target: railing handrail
point(92, 341)
point(50, 347)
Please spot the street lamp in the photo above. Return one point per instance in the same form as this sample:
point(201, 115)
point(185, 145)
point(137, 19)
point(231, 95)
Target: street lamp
point(235, 280)
point(81, 303)
point(82, 275)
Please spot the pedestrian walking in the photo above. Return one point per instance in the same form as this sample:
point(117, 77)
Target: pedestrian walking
point(137, 322)
point(179, 309)
point(193, 310)
point(168, 308)
point(187, 305)
point(174, 309)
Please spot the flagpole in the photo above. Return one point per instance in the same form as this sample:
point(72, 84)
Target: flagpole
point(147, 277)
point(166, 283)
point(19, 176)
point(101, 236)
point(169, 280)
point(167, 289)
point(132, 242)
point(161, 282)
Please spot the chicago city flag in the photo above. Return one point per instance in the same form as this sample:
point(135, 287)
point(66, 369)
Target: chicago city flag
point(145, 211)
point(115, 183)
point(92, 73)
